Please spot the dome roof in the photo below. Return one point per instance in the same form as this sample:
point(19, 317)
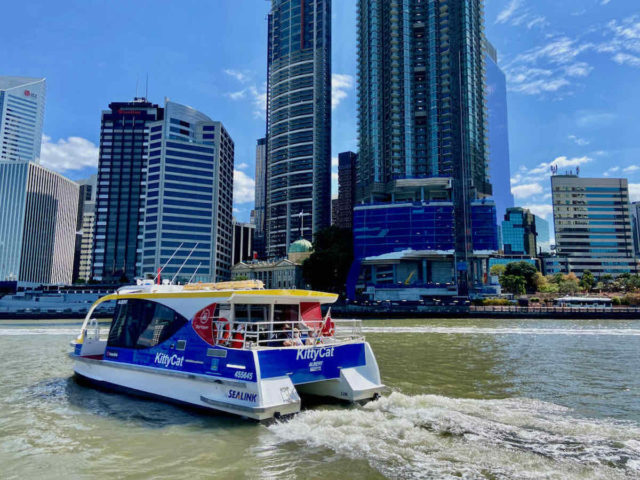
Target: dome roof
point(301, 246)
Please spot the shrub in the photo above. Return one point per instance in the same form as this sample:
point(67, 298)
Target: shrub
point(616, 301)
point(534, 300)
point(496, 302)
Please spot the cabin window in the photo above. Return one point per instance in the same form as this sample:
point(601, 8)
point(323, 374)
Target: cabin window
point(252, 313)
point(143, 324)
point(285, 313)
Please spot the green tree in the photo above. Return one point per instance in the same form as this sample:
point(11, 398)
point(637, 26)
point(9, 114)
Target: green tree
point(328, 266)
point(587, 281)
point(526, 271)
point(497, 270)
point(515, 284)
point(569, 285)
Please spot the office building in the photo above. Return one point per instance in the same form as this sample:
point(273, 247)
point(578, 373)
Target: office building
point(543, 237)
point(243, 235)
point(120, 201)
point(259, 241)
point(85, 229)
point(48, 242)
point(189, 197)
point(592, 225)
point(519, 232)
point(22, 101)
point(37, 224)
point(334, 211)
point(422, 141)
point(298, 121)
point(498, 126)
point(346, 189)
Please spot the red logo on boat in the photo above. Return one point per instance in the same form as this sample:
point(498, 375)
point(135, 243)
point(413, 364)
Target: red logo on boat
point(203, 323)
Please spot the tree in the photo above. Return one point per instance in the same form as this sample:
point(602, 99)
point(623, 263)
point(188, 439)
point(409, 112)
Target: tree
point(497, 270)
point(514, 284)
point(540, 281)
point(328, 266)
point(524, 270)
point(587, 281)
point(569, 284)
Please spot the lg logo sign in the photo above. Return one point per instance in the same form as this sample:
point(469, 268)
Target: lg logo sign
point(29, 93)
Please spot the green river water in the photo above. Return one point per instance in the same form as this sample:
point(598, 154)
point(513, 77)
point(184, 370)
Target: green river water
point(467, 399)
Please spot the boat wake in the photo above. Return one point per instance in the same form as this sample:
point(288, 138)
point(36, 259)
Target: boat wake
point(429, 436)
point(632, 332)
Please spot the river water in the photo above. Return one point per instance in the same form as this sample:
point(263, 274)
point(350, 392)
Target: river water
point(467, 399)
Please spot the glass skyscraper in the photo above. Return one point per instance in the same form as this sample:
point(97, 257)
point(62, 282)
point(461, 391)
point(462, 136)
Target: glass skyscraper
point(189, 197)
point(260, 198)
point(519, 234)
point(22, 101)
point(499, 160)
point(122, 168)
point(422, 117)
point(298, 122)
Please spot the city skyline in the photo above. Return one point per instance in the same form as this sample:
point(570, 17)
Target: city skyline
point(558, 59)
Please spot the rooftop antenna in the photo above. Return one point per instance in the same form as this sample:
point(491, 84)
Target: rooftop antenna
point(185, 261)
point(194, 273)
point(167, 263)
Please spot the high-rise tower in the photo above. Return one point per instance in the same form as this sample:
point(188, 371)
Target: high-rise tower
point(260, 197)
point(422, 131)
point(298, 122)
point(122, 167)
point(22, 101)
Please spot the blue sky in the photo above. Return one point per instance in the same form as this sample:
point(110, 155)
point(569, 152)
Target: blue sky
point(573, 70)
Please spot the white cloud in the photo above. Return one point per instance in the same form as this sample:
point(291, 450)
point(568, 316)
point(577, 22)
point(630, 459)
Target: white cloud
point(631, 168)
point(543, 210)
point(605, 2)
point(334, 161)
point(544, 168)
point(527, 190)
point(334, 176)
point(595, 119)
point(243, 188)
point(242, 165)
point(634, 192)
point(508, 12)
point(610, 171)
point(340, 83)
point(242, 77)
point(579, 141)
point(623, 58)
point(257, 96)
point(73, 153)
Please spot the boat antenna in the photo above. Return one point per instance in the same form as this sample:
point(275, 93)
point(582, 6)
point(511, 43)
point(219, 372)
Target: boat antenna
point(194, 273)
point(167, 262)
point(185, 261)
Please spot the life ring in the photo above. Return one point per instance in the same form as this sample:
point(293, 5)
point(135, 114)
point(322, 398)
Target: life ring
point(221, 331)
point(238, 339)
point(329, 328)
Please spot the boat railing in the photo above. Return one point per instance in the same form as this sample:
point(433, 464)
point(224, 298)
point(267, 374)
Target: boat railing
point(251, 335)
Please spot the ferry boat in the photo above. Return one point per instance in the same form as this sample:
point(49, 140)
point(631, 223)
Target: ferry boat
point(234, 347)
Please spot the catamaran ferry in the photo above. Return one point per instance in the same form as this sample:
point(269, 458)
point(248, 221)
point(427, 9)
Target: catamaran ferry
point(232, 346)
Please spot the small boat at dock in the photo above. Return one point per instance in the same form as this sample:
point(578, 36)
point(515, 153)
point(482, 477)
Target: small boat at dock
point(234, 347)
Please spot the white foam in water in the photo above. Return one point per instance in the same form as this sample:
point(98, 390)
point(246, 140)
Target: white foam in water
point(429, 436)
point(506, 331)
point(18, 331)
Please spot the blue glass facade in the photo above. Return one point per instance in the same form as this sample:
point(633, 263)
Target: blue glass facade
point(498, 124)
point(519, 232)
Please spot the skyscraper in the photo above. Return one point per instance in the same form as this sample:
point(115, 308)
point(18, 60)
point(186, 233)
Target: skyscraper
point(298, 121)
point(592, 224)
point(422, 133)
point(22, 101)
point(189, 197)
point(85, 228)
point(498, 125)
point(346, 189)
point(51, 213)
point(121, 175)
point(519, 232)
point(543, 239)
point(259, 240)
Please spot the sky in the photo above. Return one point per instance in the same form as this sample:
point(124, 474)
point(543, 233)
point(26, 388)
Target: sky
point(572, 66)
